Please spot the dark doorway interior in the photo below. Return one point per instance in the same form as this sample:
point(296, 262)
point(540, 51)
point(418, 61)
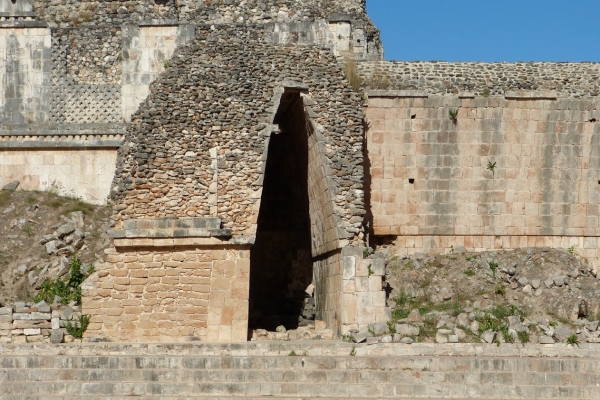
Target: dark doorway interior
point(280, 259)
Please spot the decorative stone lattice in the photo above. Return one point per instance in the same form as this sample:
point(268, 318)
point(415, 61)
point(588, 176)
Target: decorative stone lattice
point(73, 102)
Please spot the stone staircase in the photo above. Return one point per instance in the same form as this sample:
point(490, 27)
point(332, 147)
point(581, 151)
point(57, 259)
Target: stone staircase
point(299, 370)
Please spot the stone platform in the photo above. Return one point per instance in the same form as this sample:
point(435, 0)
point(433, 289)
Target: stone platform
point(295, 370)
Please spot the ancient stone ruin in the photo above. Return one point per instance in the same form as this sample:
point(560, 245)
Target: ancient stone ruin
point(253, 151)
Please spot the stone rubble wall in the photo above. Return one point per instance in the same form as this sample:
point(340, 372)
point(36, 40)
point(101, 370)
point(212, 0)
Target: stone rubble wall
point(541, 191)
point(37, 323)
point(568, 80)
point(197, 144)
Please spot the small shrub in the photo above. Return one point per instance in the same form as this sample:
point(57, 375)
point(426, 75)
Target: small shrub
point(491, 165)
point(366, 252)
point(87, 15)
point(370, 269)
point(31, 199)
point(68, 290)
point(347, 338)
point(486, 92)
point(506, 335)
point(453, 115)
point(573, 340)
point(351, 72)
point(353, 351)
point(166, 64)
point(488, 322)
point(79, 205)
point(78, 328)
point(469, 272)
point(499, 289)
point(493, 267)
point(402, 299)
point(292, 354)
point(523, 337)
point(28, 229)
point(392, 327)
point(571, 250)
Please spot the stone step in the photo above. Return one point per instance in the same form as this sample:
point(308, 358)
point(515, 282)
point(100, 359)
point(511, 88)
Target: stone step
point(379, 363)
point(329, 390)
point(277, 371)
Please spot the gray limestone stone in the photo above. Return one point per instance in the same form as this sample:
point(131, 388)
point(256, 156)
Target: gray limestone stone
point(561, 333)
point(57, 336)
point(543, 339)
point(386, 339)
point(379, 328)
point(559, 281)
point(407, 330)
point(488, 336)
point(11, 186)
point(442, 335)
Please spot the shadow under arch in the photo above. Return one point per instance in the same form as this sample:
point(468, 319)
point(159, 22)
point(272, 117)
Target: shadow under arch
point(296, 224)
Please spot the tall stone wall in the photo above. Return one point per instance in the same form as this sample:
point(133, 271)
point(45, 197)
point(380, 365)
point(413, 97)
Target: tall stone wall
point(518, 170)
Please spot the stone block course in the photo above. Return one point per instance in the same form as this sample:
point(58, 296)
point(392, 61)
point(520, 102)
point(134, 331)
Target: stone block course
point(266, 369)
point(188, 299)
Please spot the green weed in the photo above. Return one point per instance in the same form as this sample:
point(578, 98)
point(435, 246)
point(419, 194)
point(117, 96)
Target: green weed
point(453, 115)
point(523, 337)
point(68, 290)
point(573, 340)
point(78, 328)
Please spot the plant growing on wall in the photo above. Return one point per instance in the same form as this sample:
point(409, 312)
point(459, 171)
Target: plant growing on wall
point(453, 114)
point(78, 327)
point(491, 166)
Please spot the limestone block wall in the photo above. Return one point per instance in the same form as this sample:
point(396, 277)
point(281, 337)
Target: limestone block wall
point(512, 171)
point(350, 294)
point(82, 173)
point(169, 294)
point(364, 300)
point(146, 54)
point(25, 66)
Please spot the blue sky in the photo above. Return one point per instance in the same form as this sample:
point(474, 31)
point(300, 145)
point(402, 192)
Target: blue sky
point(485, 30)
